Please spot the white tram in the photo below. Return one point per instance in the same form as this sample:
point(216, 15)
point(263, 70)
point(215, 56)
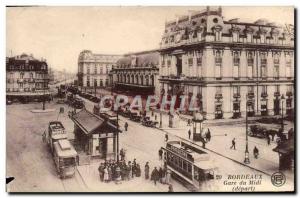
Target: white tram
point(65, 158)
point(191, 163)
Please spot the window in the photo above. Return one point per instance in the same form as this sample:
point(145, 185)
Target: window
point(263, 61)
point(21, 75)
point(163, 60)
point(275, 37)
point(218, 90)
point(236, 90)
point(95, 69)
point(218, 36)
point(250, 61)
point(276, 66)
point(190, 58)
point(199, 58)
point(88, 69)
point(288, 64)
point(169, 62)
point(263, 38)
point(235, 36)
point(101, 69)
point(250, 89)
point(218, 64)
point(95, 82)
point(31, 75)
point(236, 65)
point(277, 88)
point(88, 81)
point(249, 38)
point(264, 89)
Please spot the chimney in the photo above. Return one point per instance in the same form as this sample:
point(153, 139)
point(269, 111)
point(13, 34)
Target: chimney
point(220, 10)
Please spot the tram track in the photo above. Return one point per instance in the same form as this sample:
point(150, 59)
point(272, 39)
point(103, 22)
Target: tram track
point(74, 184)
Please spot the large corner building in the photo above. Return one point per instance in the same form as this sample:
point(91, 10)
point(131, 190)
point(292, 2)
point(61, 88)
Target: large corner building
point(227, 64)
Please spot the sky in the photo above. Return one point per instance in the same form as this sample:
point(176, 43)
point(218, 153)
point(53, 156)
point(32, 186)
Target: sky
point(59, 34)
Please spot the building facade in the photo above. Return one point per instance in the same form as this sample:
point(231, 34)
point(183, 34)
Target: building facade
point(93, 69)
point(228, 66)
point(137, 73)
point(26, 77)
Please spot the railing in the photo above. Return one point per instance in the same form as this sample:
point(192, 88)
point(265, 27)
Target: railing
point(218, 96)
point(277, 93)
point(236, 95)
point(289, 93)
point(264, 95)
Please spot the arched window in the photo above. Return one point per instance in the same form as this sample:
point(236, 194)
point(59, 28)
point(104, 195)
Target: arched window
point(142, 80)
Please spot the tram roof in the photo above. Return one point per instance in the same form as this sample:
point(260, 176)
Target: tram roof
point(63, 148)
point(205, 165)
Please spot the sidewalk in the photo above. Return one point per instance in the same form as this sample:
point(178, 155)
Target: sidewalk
point(90, 176)
point(267, 162)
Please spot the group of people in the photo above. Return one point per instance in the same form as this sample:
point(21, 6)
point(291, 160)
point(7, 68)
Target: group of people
point(118, 171)
point(255, 149)
point(163, 175)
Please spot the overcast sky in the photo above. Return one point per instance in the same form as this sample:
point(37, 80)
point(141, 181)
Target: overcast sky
point(60, 33)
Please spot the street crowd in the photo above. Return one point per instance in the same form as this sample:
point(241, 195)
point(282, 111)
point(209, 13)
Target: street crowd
point(113, 171)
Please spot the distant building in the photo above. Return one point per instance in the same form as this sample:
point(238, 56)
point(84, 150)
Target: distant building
point(224, 63)
point(93, 69)
point(137, 72)
point(26, 77)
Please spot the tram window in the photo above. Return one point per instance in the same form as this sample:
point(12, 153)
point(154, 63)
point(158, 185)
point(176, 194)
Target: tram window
point(189, 168)
point(184, 165)
point(180, 163)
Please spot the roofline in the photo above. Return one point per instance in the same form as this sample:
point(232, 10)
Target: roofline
point(142, 52)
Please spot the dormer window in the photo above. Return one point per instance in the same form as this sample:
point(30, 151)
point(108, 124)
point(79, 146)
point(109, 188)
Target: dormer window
point(218, 36)
point(235, 36)
point(263, 38)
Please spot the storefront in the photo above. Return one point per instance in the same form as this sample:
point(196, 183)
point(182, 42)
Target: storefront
point(264, 107)
point(94, 136)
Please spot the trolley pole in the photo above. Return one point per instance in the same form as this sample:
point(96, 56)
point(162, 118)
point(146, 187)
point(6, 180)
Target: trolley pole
point(118, 135)
point(247, 160)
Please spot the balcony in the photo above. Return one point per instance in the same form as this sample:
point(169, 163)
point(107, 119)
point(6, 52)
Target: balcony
point(289, 93)
point(250, 95)
point(236, 95)
point(277, 94)
point(264, 95)
point(218, 96)
point(20, 80)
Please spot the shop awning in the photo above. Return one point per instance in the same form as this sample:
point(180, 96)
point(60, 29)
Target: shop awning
point(89, 122)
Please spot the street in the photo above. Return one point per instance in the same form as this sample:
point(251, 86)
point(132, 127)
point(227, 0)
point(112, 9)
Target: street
point(30, 162)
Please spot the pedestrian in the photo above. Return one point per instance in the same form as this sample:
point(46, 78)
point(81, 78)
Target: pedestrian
point(160, 153)
point(134, 166)
point(255, 152)
point(170, 188)
point(152, 113)
point(155, 117)
point(189, 122)
point(189, 133)
point(161, 175)
point(126, 126)
point(168, 176)
point(106, 177)
point(129, 169)
point(155, 175)
point(122, 154)
point(233, 144)
point(109, 172)
point(101, 172)
point(147, 169)
point(268, 139)
point(118, 174)
point(138, 170)
point(208, 135)
point(166, 137)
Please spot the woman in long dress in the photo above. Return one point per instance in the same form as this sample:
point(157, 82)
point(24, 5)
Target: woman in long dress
point(106, 178)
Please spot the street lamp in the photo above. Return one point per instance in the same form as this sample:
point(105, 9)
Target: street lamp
point(246, 160)
point(282, 101)
point(160, 120)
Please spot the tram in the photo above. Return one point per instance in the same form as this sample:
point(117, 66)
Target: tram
point(64, 158)
point(64, 155)
point(191, 163)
